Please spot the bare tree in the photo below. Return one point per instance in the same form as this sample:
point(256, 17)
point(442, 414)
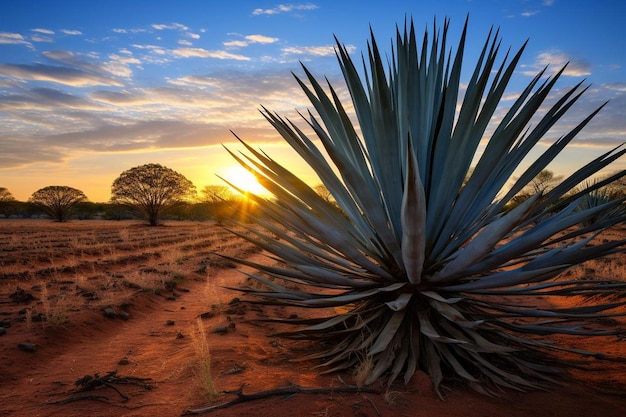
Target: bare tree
point(58, 201)
point(150, 191)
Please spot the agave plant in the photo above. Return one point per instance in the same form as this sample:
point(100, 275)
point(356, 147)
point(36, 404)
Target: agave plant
point(421, 268)
point(598, 197)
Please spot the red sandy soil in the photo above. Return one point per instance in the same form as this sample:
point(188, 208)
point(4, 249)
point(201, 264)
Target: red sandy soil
point(75, 270)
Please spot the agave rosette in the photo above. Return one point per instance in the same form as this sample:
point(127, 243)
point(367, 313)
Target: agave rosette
point(417, 265)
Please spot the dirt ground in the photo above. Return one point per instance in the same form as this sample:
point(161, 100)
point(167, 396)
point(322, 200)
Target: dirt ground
point(116, 319)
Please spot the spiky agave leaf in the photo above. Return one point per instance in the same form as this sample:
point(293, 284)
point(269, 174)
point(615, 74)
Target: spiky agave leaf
point(421, 267)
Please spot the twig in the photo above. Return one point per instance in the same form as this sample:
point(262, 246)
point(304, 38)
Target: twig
point(80, 398)
point(288, 390)
point(373, 405)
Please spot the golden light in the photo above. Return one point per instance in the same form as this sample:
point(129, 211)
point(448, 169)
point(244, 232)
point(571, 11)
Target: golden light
point(241, 178)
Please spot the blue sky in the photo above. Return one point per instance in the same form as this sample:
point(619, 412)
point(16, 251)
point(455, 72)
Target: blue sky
point(90, 89)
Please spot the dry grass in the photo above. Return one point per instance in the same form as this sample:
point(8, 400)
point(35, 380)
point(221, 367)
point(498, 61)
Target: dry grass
point(202, 367)
point(95, 264)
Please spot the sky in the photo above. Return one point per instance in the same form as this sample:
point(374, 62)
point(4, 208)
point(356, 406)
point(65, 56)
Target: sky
point(89, 89)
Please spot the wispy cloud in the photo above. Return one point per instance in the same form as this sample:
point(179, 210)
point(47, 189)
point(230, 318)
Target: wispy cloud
point(250, 39)
point(131, 30)
point(39, 38)
point(13, 38)
point(328, 50)
point(555, 60)
point(172, 26)
point(43, 31)
point(261, 39)
point(71, 32)
point(120, 65)
point(284, 8)
point(60, 75)
point(117, 65)
point(44, 99)
point(203, 53)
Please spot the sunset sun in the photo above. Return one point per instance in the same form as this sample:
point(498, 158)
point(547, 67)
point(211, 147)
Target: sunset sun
point(244, 180)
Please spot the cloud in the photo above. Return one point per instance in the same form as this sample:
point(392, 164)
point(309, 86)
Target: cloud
point(261, 39)
point(284, 8)
point(236, 44)
point(13, 38)
point(118, 66)
point(314, 50)
point(71, 32)
point(159, 50)
point(184, 42)
point(37, 38)
point(142, 135)
point(203, 53)
point(132, 30)
point(530, 13)
point(61, 75)
point(24, 150)
point(43, 99)
point(250, 39)
point(173, 26)
point(555, 60)
point(43, 31)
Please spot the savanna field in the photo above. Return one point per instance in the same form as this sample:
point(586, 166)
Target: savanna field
point(114, 318)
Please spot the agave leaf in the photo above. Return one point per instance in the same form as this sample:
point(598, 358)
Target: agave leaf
point(484, 242)
point(401, 302)
point(453, 314)
point(427, 329)
point(508, 278)
point(388, 333)
point(413, 219)
point(459, 369)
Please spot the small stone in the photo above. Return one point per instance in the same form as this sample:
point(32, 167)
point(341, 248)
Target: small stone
point(220, 330)
point(206, 315)
point(109, 312)
point(274, 343)
point(3, 331)
point(124, 315)
point(27, 347)
point(170, 322)
point(234, 301)
point(124, 361)
point(179, 335)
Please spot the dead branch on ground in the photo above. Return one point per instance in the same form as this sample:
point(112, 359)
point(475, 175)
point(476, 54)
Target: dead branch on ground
point(280, 391)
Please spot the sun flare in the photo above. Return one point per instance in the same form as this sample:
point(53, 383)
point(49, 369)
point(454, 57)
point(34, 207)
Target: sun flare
point(239, 177)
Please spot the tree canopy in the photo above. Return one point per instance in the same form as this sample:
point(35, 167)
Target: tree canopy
point(58, 201)
point(150, 191)
point(5, 195)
